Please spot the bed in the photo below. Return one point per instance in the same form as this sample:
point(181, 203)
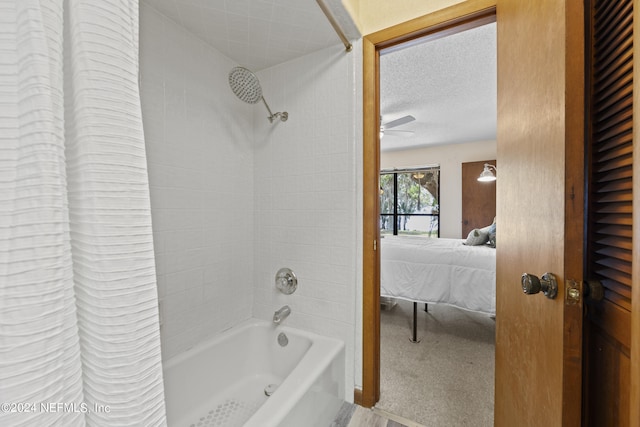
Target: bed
point(438, 271)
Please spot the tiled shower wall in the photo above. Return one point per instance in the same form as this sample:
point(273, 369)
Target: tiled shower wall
point(234, 197)
point(200, 160)
point(305, 195)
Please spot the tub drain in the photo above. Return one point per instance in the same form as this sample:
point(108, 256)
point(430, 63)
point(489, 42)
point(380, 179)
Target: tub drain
point(270, 389)
point(282, 339)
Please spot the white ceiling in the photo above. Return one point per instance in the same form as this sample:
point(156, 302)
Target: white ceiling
point(258, 34)
point(447, 84)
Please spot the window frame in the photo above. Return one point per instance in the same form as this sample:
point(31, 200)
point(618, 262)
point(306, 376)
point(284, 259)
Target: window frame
point(395, 216)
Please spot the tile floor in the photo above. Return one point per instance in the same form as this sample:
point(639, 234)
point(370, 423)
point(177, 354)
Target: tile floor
point(351, 415)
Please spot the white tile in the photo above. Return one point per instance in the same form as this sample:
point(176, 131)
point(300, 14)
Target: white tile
point(153, 132)
point(175, 219)
point(174, 306)
point(184, 260)
point(237, 6)
point(183, 280)
point(235, 198)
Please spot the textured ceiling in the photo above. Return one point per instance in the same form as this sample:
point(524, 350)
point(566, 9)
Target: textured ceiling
point(448, 84)
point(258, 34)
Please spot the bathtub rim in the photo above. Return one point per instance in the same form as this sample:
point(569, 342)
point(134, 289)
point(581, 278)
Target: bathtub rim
point(322, 352)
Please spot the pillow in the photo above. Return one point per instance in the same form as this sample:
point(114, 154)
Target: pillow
point(486, 229)
point(477, 236)
point(492, 235)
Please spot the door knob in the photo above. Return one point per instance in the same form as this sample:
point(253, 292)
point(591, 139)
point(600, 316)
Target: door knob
point(594, 291)
point(547, 284)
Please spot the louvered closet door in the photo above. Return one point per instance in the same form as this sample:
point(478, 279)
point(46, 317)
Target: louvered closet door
point(609, 247)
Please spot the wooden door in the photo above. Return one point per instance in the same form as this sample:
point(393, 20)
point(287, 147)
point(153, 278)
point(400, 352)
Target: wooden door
point(478, 198)
point(539, 210)
point(610, 232)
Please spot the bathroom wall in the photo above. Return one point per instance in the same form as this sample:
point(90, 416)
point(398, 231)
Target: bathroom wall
point(374, 15)
point(230, 190)
point(450, 158)
point(306, 209)
point(200, 160)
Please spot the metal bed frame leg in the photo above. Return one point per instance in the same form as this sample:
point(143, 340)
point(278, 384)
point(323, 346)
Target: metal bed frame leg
point(414, 338)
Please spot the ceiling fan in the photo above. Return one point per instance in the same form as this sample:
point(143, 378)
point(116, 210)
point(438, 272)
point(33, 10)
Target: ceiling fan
point(386, 127)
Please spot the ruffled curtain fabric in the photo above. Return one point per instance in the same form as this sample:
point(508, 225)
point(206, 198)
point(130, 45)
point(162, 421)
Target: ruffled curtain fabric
point(79, 330)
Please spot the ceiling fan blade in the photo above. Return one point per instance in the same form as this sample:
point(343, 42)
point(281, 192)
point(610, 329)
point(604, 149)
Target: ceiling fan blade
point(404, 133)
point(399, 122)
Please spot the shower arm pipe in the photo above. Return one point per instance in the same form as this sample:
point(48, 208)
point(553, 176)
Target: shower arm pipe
point(283, 116)
point(348, 46)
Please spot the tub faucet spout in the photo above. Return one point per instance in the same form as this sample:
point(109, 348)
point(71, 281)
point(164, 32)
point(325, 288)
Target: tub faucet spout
point(281, 314)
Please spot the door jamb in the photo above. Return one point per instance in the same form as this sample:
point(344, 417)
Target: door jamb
point(442, 22)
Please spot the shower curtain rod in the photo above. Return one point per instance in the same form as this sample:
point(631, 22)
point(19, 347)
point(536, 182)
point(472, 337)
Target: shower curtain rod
point(335, 25)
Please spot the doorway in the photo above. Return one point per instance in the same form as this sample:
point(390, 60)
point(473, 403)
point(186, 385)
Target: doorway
point(553, 377)
point(438, 105)
point(447, 21)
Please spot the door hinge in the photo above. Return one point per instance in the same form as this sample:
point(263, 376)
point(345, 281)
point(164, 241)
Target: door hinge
point(375, 244)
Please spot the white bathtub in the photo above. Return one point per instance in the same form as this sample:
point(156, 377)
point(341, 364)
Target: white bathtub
point(222, 381)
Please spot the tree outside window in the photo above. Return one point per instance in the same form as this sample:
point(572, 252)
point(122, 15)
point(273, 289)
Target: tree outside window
point(409, 202)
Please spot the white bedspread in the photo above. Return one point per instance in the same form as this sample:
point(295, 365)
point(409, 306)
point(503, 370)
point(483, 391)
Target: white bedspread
point(438, 271)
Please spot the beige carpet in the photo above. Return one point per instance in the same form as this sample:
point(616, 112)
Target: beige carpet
point(447, 378)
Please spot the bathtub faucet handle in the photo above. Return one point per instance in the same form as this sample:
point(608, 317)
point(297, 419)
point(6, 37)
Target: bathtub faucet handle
point(281, 314)
point(286, 281)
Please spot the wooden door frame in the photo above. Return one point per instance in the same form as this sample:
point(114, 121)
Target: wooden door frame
point(439, 23)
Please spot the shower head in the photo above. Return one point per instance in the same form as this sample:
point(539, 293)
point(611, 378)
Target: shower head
point(246, 86)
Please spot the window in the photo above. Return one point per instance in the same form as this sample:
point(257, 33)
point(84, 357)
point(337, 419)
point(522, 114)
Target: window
point(409, 202)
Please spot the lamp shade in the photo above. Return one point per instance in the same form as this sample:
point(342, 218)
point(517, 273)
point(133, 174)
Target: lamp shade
point(487, 175)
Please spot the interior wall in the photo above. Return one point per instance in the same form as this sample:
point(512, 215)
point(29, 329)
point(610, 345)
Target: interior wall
point(450, 158)
point(228, 188)
point(374, 15)
point(305, 186)
point(200, 161)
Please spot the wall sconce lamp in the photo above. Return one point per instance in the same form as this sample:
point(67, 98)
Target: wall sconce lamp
point(487, 175)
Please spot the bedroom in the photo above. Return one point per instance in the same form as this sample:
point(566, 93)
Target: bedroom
point(438, 129)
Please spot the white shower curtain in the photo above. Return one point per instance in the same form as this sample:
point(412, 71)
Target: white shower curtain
point(79, 330)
